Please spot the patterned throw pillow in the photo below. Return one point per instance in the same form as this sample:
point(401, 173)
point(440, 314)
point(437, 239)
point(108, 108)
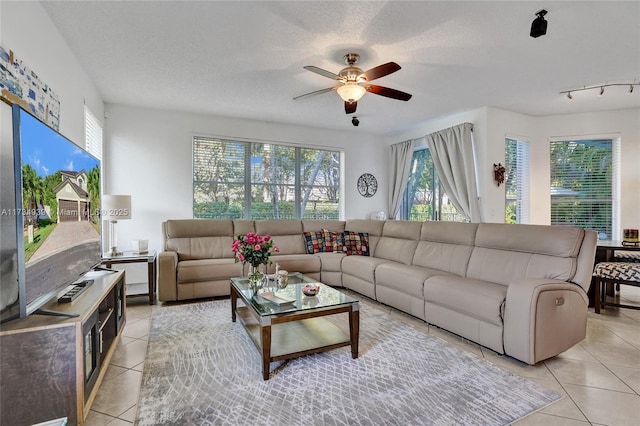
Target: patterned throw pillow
point(356, 243)
point(329, 241)
point(333, 241)
point(313, 241)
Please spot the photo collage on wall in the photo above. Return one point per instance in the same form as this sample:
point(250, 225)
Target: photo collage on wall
point(22, 86)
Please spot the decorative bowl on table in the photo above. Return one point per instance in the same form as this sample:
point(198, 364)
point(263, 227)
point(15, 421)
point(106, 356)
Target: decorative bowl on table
point(311, 289)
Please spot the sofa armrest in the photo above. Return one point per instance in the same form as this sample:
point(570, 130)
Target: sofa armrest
point(543, 318)
point(167, 276)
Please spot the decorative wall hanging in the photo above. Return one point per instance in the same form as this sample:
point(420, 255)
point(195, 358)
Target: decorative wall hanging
point(367, 185)
point(22, 86)
point(498, 173)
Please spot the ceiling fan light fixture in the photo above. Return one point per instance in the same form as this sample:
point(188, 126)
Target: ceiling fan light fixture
point(351, 91)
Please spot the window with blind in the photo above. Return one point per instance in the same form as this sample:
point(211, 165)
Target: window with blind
point(516, 163)
point(93, 134)
point(583, 184)
point(425, 199)
point(254, 180)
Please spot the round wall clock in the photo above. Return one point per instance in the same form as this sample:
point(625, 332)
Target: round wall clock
point(367, 185)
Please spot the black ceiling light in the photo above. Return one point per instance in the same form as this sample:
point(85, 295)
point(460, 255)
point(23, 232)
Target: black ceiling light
point(539, 25)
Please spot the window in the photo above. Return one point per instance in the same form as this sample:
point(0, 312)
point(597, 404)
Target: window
point(93, 134)
point(584, 184)
point(516, 163)
point(254, 180)
point(425, 199)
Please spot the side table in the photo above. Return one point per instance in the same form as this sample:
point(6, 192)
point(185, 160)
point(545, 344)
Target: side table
point(149, 257)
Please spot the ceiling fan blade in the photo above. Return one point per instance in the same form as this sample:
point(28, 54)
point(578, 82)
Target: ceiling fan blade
point(317, 92)
point(381, 71)
point(389, 93)
point(350, 107)
point(322, 72)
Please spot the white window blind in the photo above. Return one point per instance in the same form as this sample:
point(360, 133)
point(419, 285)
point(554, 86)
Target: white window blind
point(93, 134)
point(516, 163)
point(583, 184)
point(255, 180)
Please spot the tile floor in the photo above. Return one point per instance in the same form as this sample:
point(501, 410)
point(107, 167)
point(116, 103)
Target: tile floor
point(599, 377)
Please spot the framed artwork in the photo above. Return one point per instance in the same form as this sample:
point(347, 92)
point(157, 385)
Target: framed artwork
point(20, 85)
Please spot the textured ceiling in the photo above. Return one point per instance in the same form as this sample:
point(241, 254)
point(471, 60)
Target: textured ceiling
point(245, 59)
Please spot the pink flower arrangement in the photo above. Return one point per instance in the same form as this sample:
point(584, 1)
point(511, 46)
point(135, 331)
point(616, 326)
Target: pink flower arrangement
point(253, 249)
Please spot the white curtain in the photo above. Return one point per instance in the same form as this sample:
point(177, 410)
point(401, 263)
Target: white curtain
point(400, 169)
point(452, 153)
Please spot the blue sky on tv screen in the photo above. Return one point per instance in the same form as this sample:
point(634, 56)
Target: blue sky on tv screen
point(47, 151)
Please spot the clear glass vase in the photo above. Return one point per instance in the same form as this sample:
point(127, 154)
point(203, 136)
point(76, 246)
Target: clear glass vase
point(256, 278)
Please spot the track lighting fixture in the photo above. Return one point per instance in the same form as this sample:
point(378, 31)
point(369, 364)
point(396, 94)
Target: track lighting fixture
point(539, 25)
point(571, 93)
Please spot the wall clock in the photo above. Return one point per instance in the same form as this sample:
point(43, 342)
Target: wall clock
point(367, 185)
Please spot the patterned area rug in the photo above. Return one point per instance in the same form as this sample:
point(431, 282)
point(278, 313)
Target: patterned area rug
point(202, 369)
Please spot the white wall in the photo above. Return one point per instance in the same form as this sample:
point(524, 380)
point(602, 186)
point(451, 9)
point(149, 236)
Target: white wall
point(148, 154)
point(26, 29)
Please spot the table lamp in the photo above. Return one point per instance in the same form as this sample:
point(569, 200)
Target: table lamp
point(115, 208)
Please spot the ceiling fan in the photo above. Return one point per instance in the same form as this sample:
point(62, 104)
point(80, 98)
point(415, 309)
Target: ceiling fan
point(355, 82)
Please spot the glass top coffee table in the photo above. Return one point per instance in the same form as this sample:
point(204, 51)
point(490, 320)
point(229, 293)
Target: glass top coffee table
point(285, 324)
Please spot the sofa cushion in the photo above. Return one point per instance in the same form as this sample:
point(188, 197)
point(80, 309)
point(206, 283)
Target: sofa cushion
point(286, 234)
point(314, 241)
point(303, 263)
point(207, 270)
point(356, 243)
point(199, 238)
point(478, 299)
point(404, 278)
point(398, 241)
point(504, 253)
point(362, 267)
point(331, 261)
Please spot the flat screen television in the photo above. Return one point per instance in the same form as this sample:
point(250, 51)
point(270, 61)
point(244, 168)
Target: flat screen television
point(54, 215)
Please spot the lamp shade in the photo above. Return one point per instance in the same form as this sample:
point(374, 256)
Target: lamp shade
point(116, 207)
point(351, 91)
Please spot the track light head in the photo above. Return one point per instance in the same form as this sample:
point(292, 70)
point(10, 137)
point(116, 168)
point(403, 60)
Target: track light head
point(569, 95)
point(539, 25)
point(601, 91)
point(630, 88)
point(355, 121)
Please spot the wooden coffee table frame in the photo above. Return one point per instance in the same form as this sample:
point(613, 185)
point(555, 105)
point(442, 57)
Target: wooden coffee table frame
point(294, 334)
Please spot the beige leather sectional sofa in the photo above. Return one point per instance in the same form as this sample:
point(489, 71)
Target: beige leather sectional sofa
point(520, 290)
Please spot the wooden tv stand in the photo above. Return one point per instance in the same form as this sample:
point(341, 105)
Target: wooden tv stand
point(50, 366)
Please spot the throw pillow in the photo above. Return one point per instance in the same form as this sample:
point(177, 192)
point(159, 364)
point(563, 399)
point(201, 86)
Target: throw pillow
point(329, 241)
point(313, 242)
point(356, 243)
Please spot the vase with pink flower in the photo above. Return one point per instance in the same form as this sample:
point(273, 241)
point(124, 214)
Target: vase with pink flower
point(255, 250)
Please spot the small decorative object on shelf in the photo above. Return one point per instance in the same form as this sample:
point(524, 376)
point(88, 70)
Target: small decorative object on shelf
point(311, 289)
point(255, 250)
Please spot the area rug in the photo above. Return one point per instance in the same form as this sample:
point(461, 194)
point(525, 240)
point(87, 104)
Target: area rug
point(203, 369)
